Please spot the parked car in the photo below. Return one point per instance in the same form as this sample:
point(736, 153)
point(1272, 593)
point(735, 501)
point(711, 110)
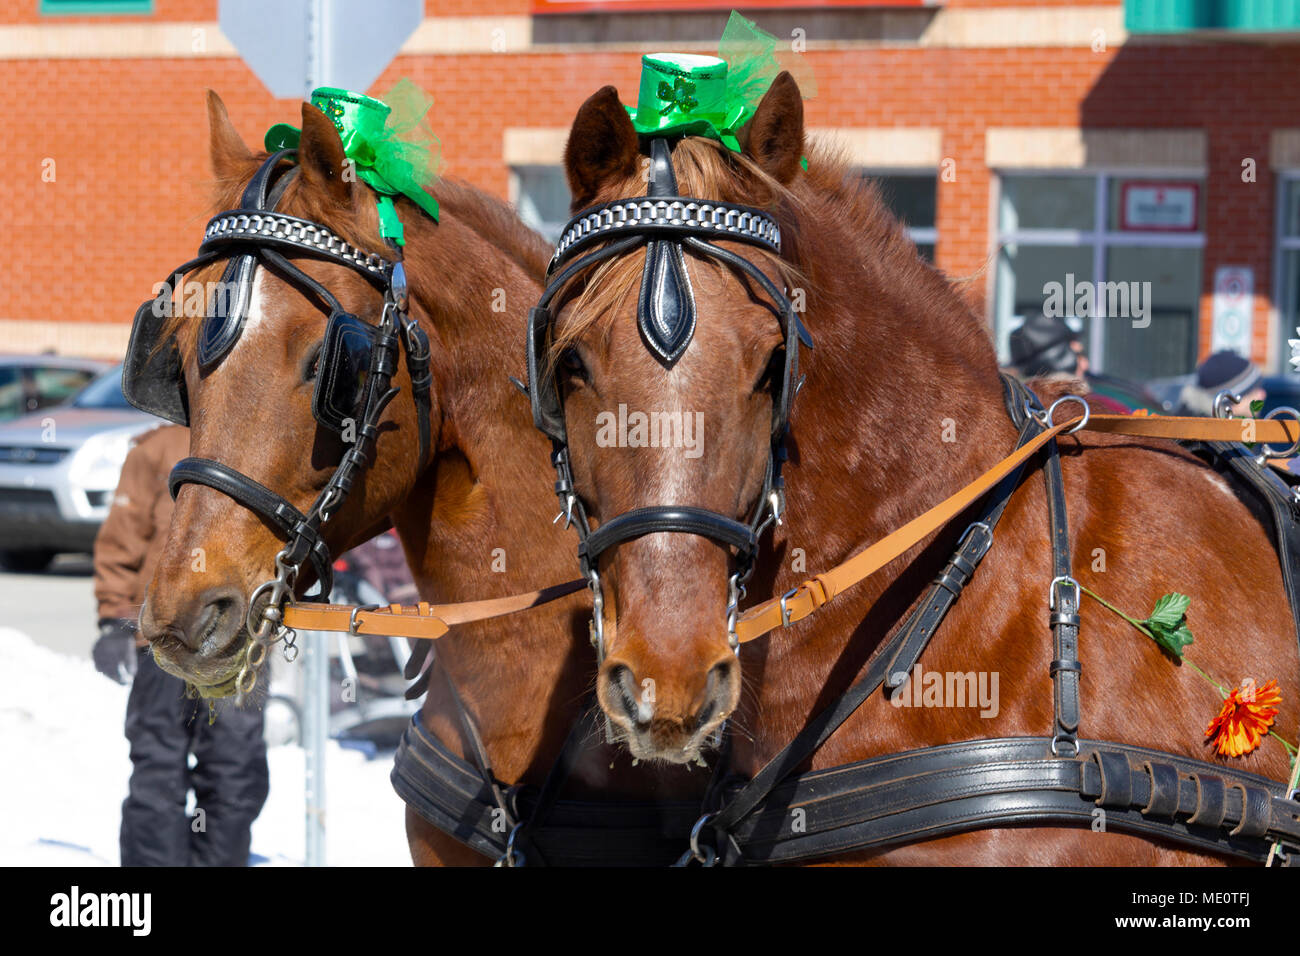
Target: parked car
point(58, 470)
point(29, 383)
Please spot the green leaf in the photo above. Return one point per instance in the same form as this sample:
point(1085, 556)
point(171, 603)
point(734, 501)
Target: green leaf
point(1256, 406)
point(1170, 609)
point(1168, 624)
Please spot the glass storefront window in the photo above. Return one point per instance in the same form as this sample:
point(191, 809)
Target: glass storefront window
point(1047, 202)
point(1288, 248)
point(1025, 271)
point(1132, 284)
point(1157, 339)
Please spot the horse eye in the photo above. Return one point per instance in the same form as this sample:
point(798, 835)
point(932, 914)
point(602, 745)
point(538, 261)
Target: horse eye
point(312, 367)
point(772, 372)
point(572, 361)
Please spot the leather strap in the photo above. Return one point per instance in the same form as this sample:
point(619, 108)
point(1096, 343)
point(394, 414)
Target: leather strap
point(643, 521)
point(421, 621)
point(1063, 603)
point(813, 593)
point(262, 501)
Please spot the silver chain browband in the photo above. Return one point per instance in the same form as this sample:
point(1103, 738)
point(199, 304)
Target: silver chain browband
point(298, 232)
point(640, 215)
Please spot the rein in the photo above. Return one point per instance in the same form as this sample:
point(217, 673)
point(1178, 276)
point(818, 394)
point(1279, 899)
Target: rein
point(429, 622)
point(803, 600)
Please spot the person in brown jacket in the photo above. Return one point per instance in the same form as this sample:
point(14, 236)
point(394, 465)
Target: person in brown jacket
point(230, 779)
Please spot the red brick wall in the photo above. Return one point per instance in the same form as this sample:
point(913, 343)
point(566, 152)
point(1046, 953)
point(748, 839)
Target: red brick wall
point(129, 140)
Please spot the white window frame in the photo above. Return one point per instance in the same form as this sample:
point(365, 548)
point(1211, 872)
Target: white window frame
point(1098, 237)
point(1283, 244)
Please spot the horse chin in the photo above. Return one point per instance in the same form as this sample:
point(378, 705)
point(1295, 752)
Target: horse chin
point(663, 742)
point(211, 677)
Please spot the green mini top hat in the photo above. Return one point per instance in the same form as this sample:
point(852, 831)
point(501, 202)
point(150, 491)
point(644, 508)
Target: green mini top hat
point(686, 94)
point(392, 148)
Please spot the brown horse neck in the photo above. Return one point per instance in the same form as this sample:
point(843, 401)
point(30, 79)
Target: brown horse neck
point(485, 502)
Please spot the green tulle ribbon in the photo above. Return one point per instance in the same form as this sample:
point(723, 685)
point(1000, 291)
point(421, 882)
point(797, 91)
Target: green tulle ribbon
point(389, 142)
point(701, 96)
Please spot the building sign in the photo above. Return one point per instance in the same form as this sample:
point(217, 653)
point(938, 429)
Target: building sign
point(1162, 207)
point(1234, 288)
point(687, 6)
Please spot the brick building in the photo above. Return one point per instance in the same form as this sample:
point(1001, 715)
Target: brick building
point(1026, 143)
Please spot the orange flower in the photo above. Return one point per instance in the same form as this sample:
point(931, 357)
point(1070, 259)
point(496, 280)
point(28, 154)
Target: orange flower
point(1244, 719)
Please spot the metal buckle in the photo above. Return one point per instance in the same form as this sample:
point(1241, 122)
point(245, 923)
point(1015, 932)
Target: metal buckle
point(970, 528)
point(1051, 590)
point(1058, 738)
point(352, 618)
point(785, 611)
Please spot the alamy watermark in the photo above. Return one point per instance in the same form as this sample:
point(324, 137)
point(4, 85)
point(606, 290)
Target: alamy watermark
point(1122, 300)
point(924, 688)
point(651, 430)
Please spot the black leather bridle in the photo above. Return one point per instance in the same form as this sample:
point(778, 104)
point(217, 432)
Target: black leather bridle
point(666, 224)
point(152, 378)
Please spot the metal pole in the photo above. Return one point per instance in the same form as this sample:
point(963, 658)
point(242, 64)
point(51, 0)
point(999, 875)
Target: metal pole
point(315, 719)
point(316, 671)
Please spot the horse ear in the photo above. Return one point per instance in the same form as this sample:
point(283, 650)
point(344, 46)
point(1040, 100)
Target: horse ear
point(321, 156)
point(774, 137)
point(602, 145)
point(228, 152)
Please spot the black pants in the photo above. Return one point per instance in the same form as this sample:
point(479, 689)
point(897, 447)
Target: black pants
point(229, 778)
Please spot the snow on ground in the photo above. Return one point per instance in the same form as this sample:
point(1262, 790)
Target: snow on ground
point(66, 769)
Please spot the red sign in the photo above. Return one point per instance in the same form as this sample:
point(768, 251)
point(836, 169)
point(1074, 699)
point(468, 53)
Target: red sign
point(686, 6)
point(1173, 206)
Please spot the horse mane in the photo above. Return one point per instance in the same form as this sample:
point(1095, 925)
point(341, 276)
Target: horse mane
point(837, 235)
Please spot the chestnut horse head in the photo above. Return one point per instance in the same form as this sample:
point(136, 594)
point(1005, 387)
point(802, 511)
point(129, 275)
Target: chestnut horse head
point(256, 409)
point(674, 409)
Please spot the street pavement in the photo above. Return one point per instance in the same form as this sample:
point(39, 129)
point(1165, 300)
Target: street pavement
point(55, 608)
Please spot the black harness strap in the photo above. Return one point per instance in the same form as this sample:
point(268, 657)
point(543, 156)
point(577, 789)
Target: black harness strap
point(881, 803)
point(924, 794)
point(1064, 607)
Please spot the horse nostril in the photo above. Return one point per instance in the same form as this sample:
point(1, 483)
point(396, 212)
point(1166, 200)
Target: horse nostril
point(717, 692)
point(623, 684)
point(212, 630)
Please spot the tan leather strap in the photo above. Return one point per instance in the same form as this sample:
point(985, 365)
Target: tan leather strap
point(431, 621)
point(424, 621)
point(803, 600)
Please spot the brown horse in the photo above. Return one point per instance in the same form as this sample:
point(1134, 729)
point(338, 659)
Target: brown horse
point(474, 524)
point(902, 405)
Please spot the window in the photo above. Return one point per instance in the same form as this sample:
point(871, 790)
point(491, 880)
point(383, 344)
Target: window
point(1288, 268)
point(541, 195)
point(53, 385)
point(911, 197)
point(91, 7)
point(1118, 256)
point(12, 399)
